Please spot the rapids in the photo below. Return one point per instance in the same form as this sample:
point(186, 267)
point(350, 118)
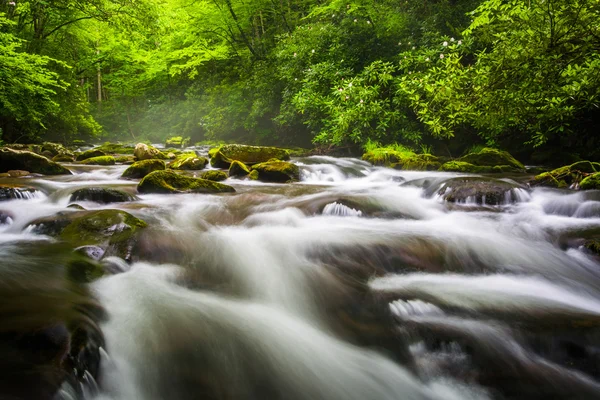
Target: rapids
point(358, 282)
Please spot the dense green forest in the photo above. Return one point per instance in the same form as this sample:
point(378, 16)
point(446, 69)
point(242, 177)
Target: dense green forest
point(429, 74)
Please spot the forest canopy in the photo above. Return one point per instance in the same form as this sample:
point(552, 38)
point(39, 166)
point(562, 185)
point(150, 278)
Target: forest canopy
point(444, 74)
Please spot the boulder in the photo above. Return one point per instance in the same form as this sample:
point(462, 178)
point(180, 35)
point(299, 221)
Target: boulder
point(177, 142)
point(277, 171)
point(116, 148)
point(140, 169)
point(171, 182)
point(28, 161)
point(214, 175)
point(9, 192)
point(482, 191)
point(125, 159)
point(90, 154)
point(492, 157)
point(143, 151)
point(238, 169)
point(56, 149)
point(188, 161)
point(223, 156)
point(16, 173)
point(112, 230)
point(101, 195)
point(253, 175)
point(591, 182)
point(418, 162)
point(102, 160)
point(567, 175)
point(63, 158)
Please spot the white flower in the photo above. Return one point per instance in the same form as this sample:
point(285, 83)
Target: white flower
point(459, 42)
point(452, 39)
point(445, 44)
point(361, 101)
point(409, 72)
point(409, 43)
point(295, 79)
point(295, 54)
point(350, 84)
point(341, 90)
point(332, 15)
point(413, 47)
point(313, 50)
point(12, 3)
point(399, 43)
point(427, 59)
point(355, 20)
point(441, 56)
point(347, 97)
point(368, 22)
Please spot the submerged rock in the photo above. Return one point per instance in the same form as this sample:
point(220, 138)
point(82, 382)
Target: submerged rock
point(188, 161)
point(15, 192)
point(277, 171)
point(238, 169)
point(567, 175)
point(172, 182)
point(140, 169)
point(102, 160)
point(214, 175)
point(101, 195)
point(223, 156)
point(26, 160)
point(480, 191)
point(90, 154)
point(143, 151)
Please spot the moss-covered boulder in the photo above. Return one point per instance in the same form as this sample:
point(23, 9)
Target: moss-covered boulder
point(238, 169)
point(277, 171)
point(471, 190)
point(177, 142)
point(101, 195)
point(16, 173)
point(172, 182)
point(214, 175)
point(63, 158)
point(102, 160)
point(418, 162)
point(567, 175)
point(125, 159)
point(10, 192)
point(90, 154)
point(253, 175)
point(591, 182)
point(116, 148)
point(112, 230)
point(56, 150)
point(140, 169)
point(488, 157)
point(223, 156)
point(28, 161)
point(593, 245)
point(188, 161)
point(144, 151)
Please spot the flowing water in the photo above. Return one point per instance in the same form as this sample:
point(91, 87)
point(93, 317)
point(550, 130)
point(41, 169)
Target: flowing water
point(358, 282)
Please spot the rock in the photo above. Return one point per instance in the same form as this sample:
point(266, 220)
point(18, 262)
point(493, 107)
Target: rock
point(418, 162)
point(143, 151)
point(253, 175)
point(591, 182)
point(461, 166)
point(140, 169)
point(483, 191)
point(6, 218)
point(223, 156)
point(28, 161)
point(101, 195)
point(593, 245)
point(102, 160)
point(85, 270)
point(56, 149)
point(493, 157)
point(125, 159)
point(188, 161)
point(14, 192)
point(567, 175)
point(277, 171)
point(177, 141)
point(238, 169)
point(63, 158)
point(93, 252)
point(47, 154)
point(171, 182)
point(16, 173)
point(116, 148)
point(112, 230)
point(214, 175)
point(90, 154)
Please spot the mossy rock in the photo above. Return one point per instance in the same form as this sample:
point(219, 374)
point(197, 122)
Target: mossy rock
point(277, 171)
point(101, 195)
point(113, 230)
point(102, 160)
point(238, 168)
point(188, 161)
point(478, 191)
point(214, 175)
point(63, 158)
point(84, 270)
point(28, 161)
point(223, 156)
point(461, 166)
point(172, 182)
point(492, 157)
point(177, 141)
point(298, 152)
point(90, 154)
point(384, 157)
point(593, 245)
point(418, 162)
point(116, 148)
point(144, 151)
point(140, 169)
point(253, 175)
point(567, 175)
point(125, 159)
point(591, 182)
point(10, 192)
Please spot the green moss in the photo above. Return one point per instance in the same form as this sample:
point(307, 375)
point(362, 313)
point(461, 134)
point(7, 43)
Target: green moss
point(125, 159)
point(171, 182)
point(418, 162)
point(238, 168)
point(103, 160)
point(223, 156)
point(298, 152)
point(214, 175)
point(188, 161)
point(492, 157)
point(116, 148)
point(90, 154)
point(567, 175)
point(177, 141)
point(591, 182)
point(213, 151)
point(461, 166)
point(388, 156)
point(253, 175)
point(140, 169)
point(277, 171)
point(63, 158)
point(145, 151)
point(28, 161)
point(84, 270)
point(593, 245)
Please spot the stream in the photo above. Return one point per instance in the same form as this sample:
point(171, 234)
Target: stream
point(358, 282)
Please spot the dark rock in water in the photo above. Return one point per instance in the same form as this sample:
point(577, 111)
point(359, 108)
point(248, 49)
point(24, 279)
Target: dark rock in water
point(90, 154)
point(238, 169)
point(223, 156)
point(567, 175)
point(172, 182)
point(140, 169)
point(12, 192)
point(480, 191)
point(6, 218)
point(101, 195)
point(114, 265)
point(115, 231)
point(84, 270)
point(28, 161)
point(93, 252)
point(277, 171)
point(214, 175)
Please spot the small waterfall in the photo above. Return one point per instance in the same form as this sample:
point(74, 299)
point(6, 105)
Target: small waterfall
point(341, 210)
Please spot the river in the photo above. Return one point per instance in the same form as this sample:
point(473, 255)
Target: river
point(356, 283)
